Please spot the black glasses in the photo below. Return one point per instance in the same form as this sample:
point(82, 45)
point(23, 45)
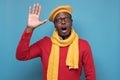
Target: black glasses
point(66, 19)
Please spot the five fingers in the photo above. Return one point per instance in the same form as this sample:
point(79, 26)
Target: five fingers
point(35, 9)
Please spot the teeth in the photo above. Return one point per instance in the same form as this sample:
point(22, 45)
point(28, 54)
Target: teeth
point(64, 30)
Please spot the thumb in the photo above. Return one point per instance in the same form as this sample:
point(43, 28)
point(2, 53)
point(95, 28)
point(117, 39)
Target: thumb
point(43, 22)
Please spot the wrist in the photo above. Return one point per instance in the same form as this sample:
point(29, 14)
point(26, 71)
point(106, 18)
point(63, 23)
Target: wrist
point(29, 29)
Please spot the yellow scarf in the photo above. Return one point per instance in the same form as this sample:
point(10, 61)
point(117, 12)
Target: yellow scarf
point(72, 56)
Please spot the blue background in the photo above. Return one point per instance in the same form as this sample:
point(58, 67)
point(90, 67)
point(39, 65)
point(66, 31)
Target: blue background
point(97, 21)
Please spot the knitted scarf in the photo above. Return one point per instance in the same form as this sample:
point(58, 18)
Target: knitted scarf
point(72, 56)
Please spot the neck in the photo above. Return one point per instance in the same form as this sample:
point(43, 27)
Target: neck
point(65, 37)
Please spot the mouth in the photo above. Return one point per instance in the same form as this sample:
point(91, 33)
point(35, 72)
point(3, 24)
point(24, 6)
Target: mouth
point(64, 29)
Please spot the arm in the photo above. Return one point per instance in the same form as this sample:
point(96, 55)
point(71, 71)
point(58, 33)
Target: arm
point(88, 63)
point(24, 51)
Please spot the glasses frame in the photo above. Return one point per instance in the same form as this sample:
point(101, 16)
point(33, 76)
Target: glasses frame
point(60, 20)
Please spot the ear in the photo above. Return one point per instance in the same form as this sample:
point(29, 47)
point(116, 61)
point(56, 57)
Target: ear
point(71, 20)
point(54, 25)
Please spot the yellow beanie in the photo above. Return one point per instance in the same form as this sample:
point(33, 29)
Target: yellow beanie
point(59, 9)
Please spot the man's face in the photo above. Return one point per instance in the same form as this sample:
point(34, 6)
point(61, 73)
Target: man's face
point(63, 23)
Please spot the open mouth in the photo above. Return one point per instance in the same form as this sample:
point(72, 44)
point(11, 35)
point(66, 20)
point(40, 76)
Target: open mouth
point(64, 29)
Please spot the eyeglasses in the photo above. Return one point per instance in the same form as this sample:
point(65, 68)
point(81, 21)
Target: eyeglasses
point(66, 19)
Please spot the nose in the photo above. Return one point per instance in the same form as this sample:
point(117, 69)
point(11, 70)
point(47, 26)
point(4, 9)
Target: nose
point(63, 21)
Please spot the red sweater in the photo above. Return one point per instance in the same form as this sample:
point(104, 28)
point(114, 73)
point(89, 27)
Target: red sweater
point(42, 49)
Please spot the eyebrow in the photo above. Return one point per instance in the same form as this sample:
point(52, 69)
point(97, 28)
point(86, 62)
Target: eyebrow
point(63, 17)
point(66, 14)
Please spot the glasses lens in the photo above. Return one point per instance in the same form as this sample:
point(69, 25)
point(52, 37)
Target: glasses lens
point(66, 19)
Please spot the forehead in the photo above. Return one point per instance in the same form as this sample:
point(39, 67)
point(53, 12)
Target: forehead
point(62, 14)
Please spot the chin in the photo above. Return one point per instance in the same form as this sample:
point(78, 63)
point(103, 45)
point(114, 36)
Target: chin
point(65, 35)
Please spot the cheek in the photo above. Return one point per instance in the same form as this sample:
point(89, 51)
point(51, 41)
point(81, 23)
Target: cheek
point(57, 26)
point(70, 24)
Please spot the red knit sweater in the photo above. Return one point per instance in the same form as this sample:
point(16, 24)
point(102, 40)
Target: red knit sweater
point(42, 49)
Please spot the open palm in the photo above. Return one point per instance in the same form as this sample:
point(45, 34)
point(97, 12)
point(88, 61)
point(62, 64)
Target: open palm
point(34, 15)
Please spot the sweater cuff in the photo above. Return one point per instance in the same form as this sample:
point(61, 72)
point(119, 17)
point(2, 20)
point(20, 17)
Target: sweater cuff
point(26, 35)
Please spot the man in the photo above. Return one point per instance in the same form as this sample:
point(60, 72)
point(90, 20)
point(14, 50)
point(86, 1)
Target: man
point(62, 55)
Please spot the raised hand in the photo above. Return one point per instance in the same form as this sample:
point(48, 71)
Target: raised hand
point(33, 17)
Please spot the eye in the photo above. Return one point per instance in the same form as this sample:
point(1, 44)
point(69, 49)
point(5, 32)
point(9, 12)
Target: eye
point(58, 20)
point(67, 19)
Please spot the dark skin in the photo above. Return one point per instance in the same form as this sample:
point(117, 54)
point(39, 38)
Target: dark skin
point(63, 24)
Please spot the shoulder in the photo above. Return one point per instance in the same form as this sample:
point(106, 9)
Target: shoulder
point(46, 38)
point(84, 47)
point(83, 43)
point(45, 41)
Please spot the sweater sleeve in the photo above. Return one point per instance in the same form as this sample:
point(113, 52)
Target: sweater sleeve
point(88, 63)
point(24, 51)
